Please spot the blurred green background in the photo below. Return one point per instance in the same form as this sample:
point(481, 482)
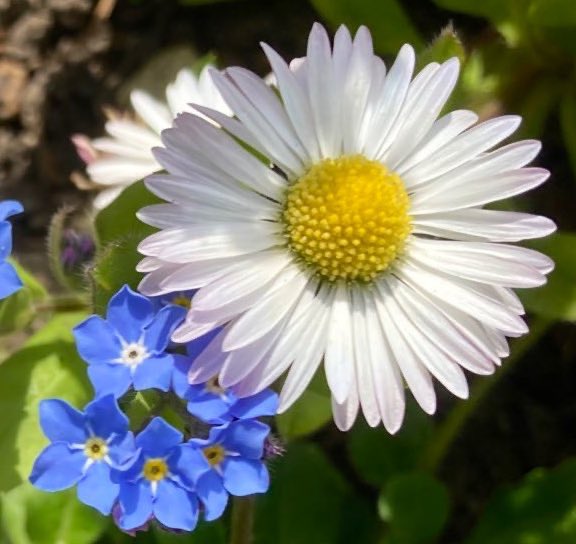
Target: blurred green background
point(499, 468)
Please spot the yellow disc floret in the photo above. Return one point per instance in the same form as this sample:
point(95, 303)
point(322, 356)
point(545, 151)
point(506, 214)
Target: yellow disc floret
point(155, 469)
point(347, 218)
point(214, 454)
point(95, 448)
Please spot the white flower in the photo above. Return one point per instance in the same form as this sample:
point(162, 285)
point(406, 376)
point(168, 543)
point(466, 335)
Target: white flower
point(366, 246)
point(126, 155)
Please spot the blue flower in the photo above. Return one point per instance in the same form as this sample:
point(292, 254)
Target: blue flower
point(165, 481)
point(178, 298)
point(128, 347)
point(212, 403)
point(86, 448)
point(9, 280)
point(234, 453)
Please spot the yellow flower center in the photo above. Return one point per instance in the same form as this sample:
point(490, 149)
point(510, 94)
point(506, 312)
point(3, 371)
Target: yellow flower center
point(214, 454)
point(155, 470)
point(96, 448)
point(347, 218)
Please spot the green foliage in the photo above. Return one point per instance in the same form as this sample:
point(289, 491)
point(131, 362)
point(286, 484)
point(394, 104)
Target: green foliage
point(388, 23)
point(553, 13)
point(557, 299)
point(445, 46)
point(309, 413)
point(568, 123)
point(18, 310)
point(377, 456)
point(30, 516)
point(118, 234)
point(540, 510)
point(310, 501)
point(415, 506)
point(47, 366)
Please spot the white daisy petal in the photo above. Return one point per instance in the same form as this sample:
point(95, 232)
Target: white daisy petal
point(339, 356)
point(345, 413)
point(463, 148)
point(155, 114)
point(492, 225)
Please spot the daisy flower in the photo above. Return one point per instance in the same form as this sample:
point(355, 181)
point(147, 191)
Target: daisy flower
point(366, 246)
point(125, 156)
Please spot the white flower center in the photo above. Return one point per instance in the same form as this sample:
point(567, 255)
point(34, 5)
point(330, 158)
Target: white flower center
point(133, 354)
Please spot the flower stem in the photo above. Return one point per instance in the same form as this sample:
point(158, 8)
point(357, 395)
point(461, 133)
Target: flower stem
point(453, 424)
point(242, 520)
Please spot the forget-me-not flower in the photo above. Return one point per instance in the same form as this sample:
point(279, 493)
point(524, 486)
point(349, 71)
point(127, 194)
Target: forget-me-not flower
point(9, 280)
point(128, 347)
point(234, 453)
point(86, 447)
point(166, 483)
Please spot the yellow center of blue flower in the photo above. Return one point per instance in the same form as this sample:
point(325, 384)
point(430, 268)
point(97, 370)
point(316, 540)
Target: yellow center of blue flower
point(347, 218)
point(214, 454)
point(212, 386)
point(181, 300)
point(96, 448)
point(155, 470)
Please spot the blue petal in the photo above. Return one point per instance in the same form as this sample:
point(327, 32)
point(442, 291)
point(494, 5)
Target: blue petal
point(122, 451)
point(157, 334)
point(114, 379)
point(9, 208)
point(180, 383)
point(244, 476)
point(129, 312)
point(9, 280)
point(210, 408)
point(245, 437)
point(57, 467)
point(197, 346)
point(175, 507)
point(136, 505)
point(96, 489)
point(264, 403)
point(62, 422)
point(105, 417)
point(213, 495)
point(5, 240)
point(154, 372)
point(158, 437)
point(96, 341)
point(190, 464)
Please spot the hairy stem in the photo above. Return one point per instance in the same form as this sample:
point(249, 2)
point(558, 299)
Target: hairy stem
point(241, 531)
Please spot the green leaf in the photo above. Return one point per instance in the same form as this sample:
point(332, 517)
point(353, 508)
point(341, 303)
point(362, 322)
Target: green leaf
point(212, 532)
point(568, 122)
point(556, 299)
point(389, 25)
point(119, 232)
point(114, 267)
point(30, 516)
point(553, 13)
point(445, 46)
point(377, 455)
point(494, 10)
point(540, 510)
point(18, 310)
point(416, 507)
point(46, 366)
point(310, 501)
point(309, 413)
point(118, 220)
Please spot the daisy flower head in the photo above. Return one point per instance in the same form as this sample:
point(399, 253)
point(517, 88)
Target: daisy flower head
point(125, 155)
point(366, 246)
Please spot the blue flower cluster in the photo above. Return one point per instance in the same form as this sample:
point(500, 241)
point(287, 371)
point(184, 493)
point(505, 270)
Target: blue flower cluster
point(9, 280)
point(162, 473)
